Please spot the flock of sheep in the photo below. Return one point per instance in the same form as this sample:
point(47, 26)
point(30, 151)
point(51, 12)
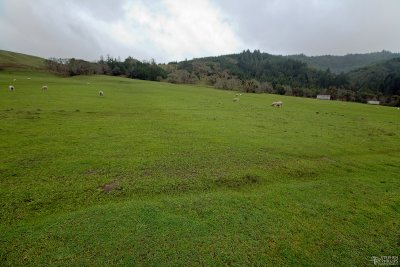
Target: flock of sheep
point(11, 88)
point(44, 88)
point(101, 93)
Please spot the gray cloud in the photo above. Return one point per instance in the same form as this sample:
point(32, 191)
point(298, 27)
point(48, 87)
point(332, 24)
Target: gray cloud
point(177, 29)
point(43, 28)
point(164, 29)
point(316, 27)
point(105, 10)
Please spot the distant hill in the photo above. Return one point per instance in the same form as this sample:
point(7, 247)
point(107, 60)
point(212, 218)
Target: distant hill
point(262, 72)
point(263, 67)
point(13, 60)
point(338, 64)
point(382, 77)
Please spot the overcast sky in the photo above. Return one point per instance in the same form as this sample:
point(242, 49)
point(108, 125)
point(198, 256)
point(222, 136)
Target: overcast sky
point(168, 30)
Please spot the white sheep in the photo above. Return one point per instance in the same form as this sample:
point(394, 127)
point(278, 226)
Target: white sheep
point(277, 104)
point(44, 88)
point(101, 93)
point(11, 88)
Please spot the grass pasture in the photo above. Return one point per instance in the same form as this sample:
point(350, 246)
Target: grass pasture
point(17, 61)
point(155, 174)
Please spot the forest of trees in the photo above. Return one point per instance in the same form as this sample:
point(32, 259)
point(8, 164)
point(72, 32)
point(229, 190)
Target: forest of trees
point(256, 72)
point(346, 63)
point(261, 72)
point(130, 68)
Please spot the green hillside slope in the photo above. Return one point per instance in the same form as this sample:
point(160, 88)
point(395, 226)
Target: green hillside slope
point(156, 174)
point(12, 60)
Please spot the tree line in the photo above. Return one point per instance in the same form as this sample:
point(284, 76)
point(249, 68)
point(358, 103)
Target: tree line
point(130, 67)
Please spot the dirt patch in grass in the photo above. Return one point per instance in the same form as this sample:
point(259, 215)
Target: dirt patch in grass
point(107, 188)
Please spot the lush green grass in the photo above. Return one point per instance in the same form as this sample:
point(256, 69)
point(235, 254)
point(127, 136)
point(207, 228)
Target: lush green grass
point(12, 60)
point(159, 174)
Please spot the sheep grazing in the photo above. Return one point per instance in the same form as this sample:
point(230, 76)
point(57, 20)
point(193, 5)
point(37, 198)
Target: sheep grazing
point(235, 99)
point(277, 104)
point(101, 93)
point(44, 87)
point(11, 88)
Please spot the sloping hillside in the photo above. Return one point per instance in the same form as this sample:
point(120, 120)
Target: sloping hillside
point(382, 77)
point(346, 63)
point(157, 174)
point(12, 60)
point(263, 67)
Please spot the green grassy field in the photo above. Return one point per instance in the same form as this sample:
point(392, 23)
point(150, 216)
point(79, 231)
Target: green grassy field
point(155, 174)
point(17, 61)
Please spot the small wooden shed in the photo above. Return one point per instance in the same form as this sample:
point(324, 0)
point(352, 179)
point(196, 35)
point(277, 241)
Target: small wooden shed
point(324, 97)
